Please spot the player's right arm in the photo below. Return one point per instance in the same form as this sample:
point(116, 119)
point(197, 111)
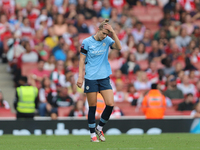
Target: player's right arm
point(81, 66)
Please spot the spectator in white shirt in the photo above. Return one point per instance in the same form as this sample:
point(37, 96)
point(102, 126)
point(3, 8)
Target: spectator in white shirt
point(183, 39)
point(186, 87)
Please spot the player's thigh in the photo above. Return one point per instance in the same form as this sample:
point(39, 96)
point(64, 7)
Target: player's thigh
point(92, 98)
point(108, 97)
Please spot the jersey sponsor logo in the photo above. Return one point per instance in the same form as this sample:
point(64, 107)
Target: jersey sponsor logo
point(100, 52)
point(87, 87)
point(92, 46)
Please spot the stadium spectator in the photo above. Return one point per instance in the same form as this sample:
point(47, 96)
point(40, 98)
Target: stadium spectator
point(152, 72)
point(50, 64)
point(186, 87)
point(26, 99)
point(51, 40)
point(94, 25)
point(187, 104)
point(43, 94)
point(61, 54)
point(183, 39)
point(119, 94)
point(62, 99)
point(196, 112)
point(174, 27)
point(154, 103)
point(138, 32)
point(188, 24)
point(106, 9)
point(3, 102)
point(78, 110)
point(59, 26)
point(140, 53)
point(130, 66)
point(29, 56)
point(142, 82)
point(195, 55)
point(172, 91)
point(61, 42)
point(168, 69)
point(80, 24)
point(188, 65)
point(132, 95)
point(58, 75)
point(178, 68)
point(39, 73)
point(129, 44)
point(147, 38)
point(156, 53)
point(89, 13)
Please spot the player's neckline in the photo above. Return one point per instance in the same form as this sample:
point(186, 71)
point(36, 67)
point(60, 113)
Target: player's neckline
point(96, 40)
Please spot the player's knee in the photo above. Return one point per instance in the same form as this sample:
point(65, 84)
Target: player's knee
point(110, 103)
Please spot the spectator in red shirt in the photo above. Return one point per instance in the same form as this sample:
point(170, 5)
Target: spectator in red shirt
point(132, 95)
point(38, 74)
point(119, 94)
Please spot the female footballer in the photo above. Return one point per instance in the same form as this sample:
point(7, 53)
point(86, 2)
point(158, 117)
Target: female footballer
point(94, 55)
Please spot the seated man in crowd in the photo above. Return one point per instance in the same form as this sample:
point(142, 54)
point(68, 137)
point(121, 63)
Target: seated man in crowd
point(172, 91)
point(60, 100)
point(187, 104)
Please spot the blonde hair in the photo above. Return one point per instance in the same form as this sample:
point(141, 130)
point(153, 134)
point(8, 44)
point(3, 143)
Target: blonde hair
point(103, 23)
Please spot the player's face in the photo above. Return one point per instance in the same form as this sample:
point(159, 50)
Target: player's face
point(102, 34)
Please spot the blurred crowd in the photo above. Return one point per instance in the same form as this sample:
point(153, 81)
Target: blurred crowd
point(49, 33)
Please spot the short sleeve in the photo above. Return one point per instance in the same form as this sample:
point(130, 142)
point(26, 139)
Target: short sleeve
point(110, 41)
point(84, 47)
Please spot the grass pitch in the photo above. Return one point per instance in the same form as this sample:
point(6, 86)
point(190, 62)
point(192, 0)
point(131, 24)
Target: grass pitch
point(120, 142)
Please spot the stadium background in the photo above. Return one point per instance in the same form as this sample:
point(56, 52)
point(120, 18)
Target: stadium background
point(160, 39)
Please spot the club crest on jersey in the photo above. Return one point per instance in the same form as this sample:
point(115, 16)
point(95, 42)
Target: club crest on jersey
point(82, 46)
point(87, 87)
point(104, 44)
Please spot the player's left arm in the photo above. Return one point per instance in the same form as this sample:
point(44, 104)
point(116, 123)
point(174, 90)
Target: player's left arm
point(117, 44)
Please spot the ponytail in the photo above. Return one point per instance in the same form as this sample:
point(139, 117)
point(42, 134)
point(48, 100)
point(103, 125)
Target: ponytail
point(103, 23)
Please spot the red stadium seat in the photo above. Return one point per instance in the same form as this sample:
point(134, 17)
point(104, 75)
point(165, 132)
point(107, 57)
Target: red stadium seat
point(148, 49)
point(176, 102)
point(128, 109)
point(186, 112)
point(154, 10)
point(139, 10)
point(6, 113)
point(27, 67)
point(144, 64)
point(82, 36)
point(64, 111)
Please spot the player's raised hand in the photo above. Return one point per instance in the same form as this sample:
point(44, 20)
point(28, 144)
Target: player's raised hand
point(108, 27)
point(79, 82)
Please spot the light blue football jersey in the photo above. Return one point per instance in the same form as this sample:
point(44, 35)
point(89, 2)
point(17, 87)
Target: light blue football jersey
point(96, 62)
